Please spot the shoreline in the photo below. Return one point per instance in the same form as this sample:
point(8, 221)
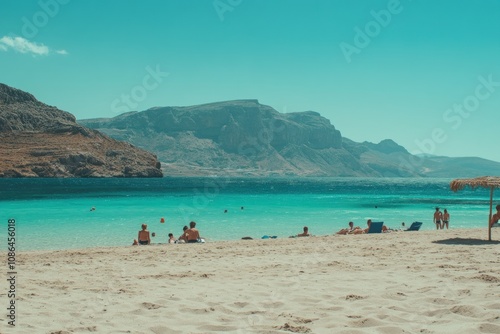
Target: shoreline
point(485, 230)
point(386, 283)
point(62, 218)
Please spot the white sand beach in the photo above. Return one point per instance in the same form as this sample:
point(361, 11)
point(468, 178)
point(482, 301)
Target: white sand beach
point(445, 281)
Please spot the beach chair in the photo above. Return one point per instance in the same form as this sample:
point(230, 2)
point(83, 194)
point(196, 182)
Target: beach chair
point(415, 226)
point(375, 227)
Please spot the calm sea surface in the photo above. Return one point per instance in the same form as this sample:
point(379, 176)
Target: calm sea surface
point(56, 213)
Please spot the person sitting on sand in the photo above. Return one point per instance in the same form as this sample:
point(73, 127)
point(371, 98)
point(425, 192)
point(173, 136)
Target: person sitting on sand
point(368, 222)
point(361, 231)
point(143, 236)
point(348, 230)
point(192, 234)
point(496, 217)
point(305, 233)
point(171, 239)
point(182, 238)
point(135, 243)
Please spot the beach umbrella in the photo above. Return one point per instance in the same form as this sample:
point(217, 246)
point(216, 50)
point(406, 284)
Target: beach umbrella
point(490, 182)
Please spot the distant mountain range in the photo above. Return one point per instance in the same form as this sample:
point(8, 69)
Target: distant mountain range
point(246, 138)
point(37, 140)
point(237, 138)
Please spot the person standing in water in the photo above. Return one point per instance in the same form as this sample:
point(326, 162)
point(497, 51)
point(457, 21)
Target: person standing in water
point(446, 219)
point(438, 217)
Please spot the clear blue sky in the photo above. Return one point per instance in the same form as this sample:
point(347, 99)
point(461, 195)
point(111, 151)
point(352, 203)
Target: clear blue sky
point(413, 71)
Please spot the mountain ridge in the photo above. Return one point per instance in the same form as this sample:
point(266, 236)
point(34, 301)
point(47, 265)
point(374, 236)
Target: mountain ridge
point(38, 140)
point(246, 138)
point(238, 137)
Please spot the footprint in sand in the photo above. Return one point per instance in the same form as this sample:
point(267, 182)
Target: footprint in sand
point(240, 304)
point(354, 297)
point(467, 311)
point(489, 328)
point(367, 322)
point(488, 278)
point(150, 306)
point(296, 319)
point(294, 329)
point(163, 330)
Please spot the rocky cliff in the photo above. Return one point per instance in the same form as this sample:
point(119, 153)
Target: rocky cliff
point(244, 137)
point(37, 140)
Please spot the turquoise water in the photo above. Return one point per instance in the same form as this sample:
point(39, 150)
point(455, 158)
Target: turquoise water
point(55, 213)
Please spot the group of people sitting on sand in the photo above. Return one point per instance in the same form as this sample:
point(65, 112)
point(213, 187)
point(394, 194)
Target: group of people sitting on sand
point(358, 230)
point(192, 235)
point(189, 235)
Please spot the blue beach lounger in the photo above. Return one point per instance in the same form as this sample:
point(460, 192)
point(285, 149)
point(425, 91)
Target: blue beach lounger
point(376, 227)
point(415, 226)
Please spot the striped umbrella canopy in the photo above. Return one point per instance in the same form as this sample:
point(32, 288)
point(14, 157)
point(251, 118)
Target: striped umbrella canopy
point(490, 182)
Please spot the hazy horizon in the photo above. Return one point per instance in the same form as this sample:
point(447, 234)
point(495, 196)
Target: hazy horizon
point(421, 73)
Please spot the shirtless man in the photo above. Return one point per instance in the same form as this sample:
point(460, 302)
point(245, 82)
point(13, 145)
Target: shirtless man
point(438, 216)
point(496, 216)
point(192, 234)
point(306, 232)
point(143, 236)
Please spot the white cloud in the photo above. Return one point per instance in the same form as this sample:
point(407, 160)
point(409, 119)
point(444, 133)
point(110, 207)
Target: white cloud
point(23, 45)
